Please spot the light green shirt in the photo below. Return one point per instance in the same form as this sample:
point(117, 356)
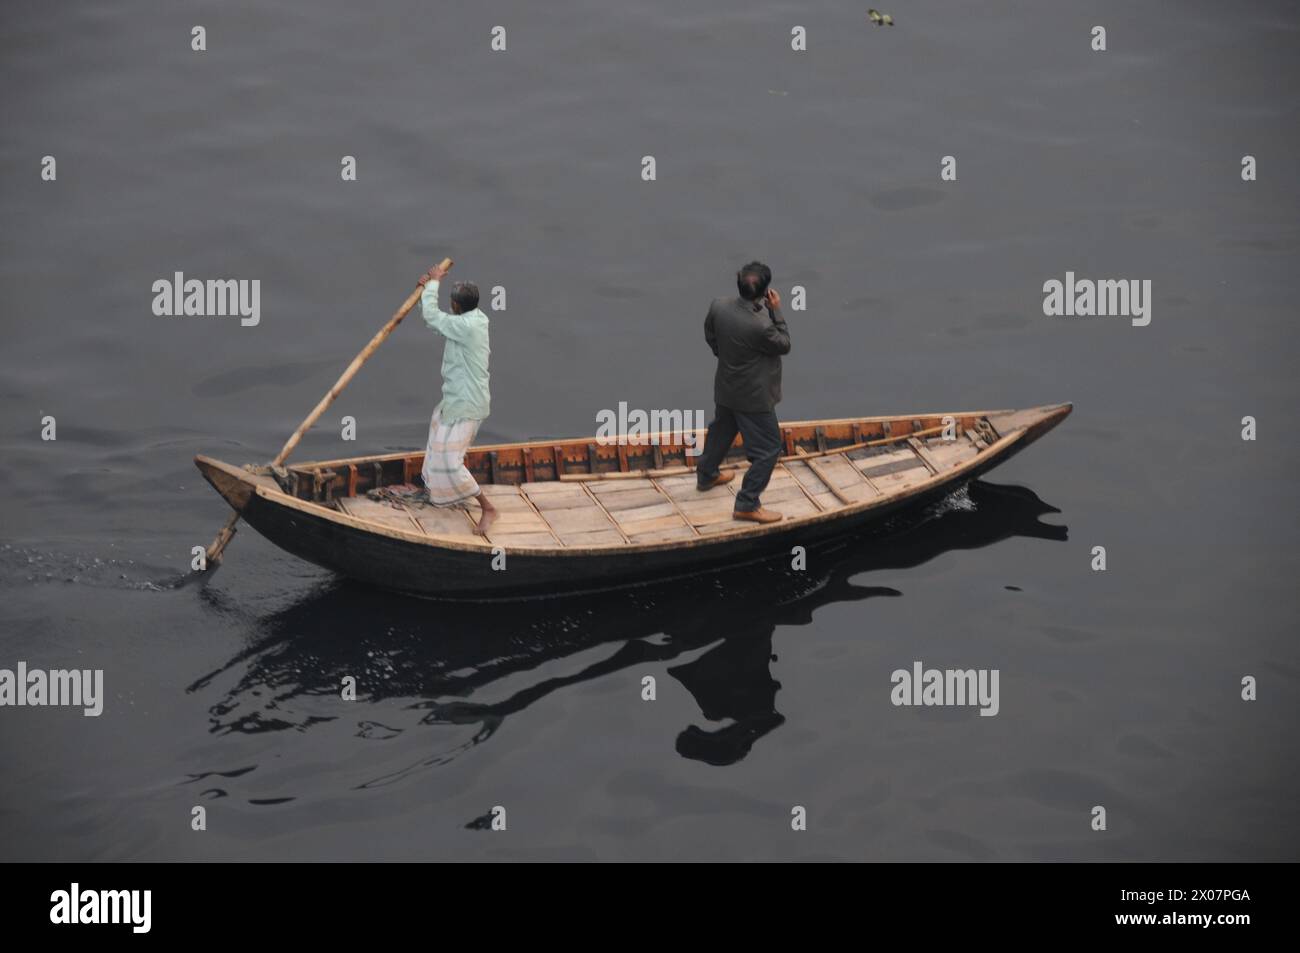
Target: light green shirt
point(465, 393)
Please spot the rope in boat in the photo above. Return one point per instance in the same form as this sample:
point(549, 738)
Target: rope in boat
point(401, 495)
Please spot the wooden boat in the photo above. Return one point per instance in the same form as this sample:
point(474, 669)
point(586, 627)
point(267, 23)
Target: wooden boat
point(578, 515)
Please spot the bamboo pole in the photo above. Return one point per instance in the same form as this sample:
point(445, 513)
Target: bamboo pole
point(218, 545)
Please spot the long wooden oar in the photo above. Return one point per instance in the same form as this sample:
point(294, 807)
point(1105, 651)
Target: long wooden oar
point(218, 545)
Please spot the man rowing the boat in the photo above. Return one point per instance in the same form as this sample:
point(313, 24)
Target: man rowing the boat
point(748, 335)
point(465, 398)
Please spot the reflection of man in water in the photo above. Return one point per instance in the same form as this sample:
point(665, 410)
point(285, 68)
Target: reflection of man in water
point(731, 681)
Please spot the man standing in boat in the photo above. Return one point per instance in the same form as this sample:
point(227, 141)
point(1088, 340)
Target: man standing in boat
point(748, 335)
point(465, 399)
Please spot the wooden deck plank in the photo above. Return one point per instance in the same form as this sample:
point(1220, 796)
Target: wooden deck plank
point(895, 466)
point(494, 490)
point(953, 454)
point(546, 502)
point(711, 504)
point(853, 486)
point(591, 496)
point(517, 503)
point(376, 511)
point(841, 471)
point(631, 499)
point(872, 456)
point(860, 492)
point(548, 487)
point(923, 453)
point(676, 507)
point(814, 466)
point(635, 528)
point(684, 479)
point(784, 468)
point(603, 537)
point(901, 480)
point(537, 516)
point(665, 536)
point(791, 491)
point(728, 526)
point(438, 522)
point(604, 488)
point(664, 507)
point(520, 518)
point(687, 491)
point(794, 508)
point(587, 519)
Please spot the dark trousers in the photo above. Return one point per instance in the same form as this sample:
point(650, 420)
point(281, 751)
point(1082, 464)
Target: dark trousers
point(762, 435)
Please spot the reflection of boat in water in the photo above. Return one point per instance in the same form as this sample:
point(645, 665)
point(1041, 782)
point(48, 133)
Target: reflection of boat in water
point(577, 516)
point(445, 656)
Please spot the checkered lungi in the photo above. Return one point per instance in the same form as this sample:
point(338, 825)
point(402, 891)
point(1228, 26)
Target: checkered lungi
point(448, 481)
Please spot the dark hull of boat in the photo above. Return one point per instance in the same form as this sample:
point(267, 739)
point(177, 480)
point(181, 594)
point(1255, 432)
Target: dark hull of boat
point(430, 572)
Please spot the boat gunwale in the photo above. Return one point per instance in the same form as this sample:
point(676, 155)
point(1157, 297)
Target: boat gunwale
point(458, 543)
point(645, 441)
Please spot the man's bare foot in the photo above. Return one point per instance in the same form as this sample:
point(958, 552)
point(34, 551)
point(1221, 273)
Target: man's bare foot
point(486, 518)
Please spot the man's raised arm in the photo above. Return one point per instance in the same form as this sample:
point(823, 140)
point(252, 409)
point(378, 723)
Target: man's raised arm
point(776, 336)
point(450, 326)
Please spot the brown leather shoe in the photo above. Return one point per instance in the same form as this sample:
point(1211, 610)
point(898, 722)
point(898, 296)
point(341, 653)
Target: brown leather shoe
point(759, 515)
point(725, 476)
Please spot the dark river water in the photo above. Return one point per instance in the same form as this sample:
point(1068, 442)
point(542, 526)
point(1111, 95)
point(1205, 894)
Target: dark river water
point(1120, 689)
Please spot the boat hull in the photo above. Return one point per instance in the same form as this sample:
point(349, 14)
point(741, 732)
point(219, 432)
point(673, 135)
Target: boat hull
point(472, 569)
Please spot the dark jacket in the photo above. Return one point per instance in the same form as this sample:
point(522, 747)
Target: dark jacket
point(748, 345)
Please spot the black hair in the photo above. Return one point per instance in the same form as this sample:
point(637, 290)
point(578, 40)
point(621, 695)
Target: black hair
point(465, 294)
point(753, 279)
